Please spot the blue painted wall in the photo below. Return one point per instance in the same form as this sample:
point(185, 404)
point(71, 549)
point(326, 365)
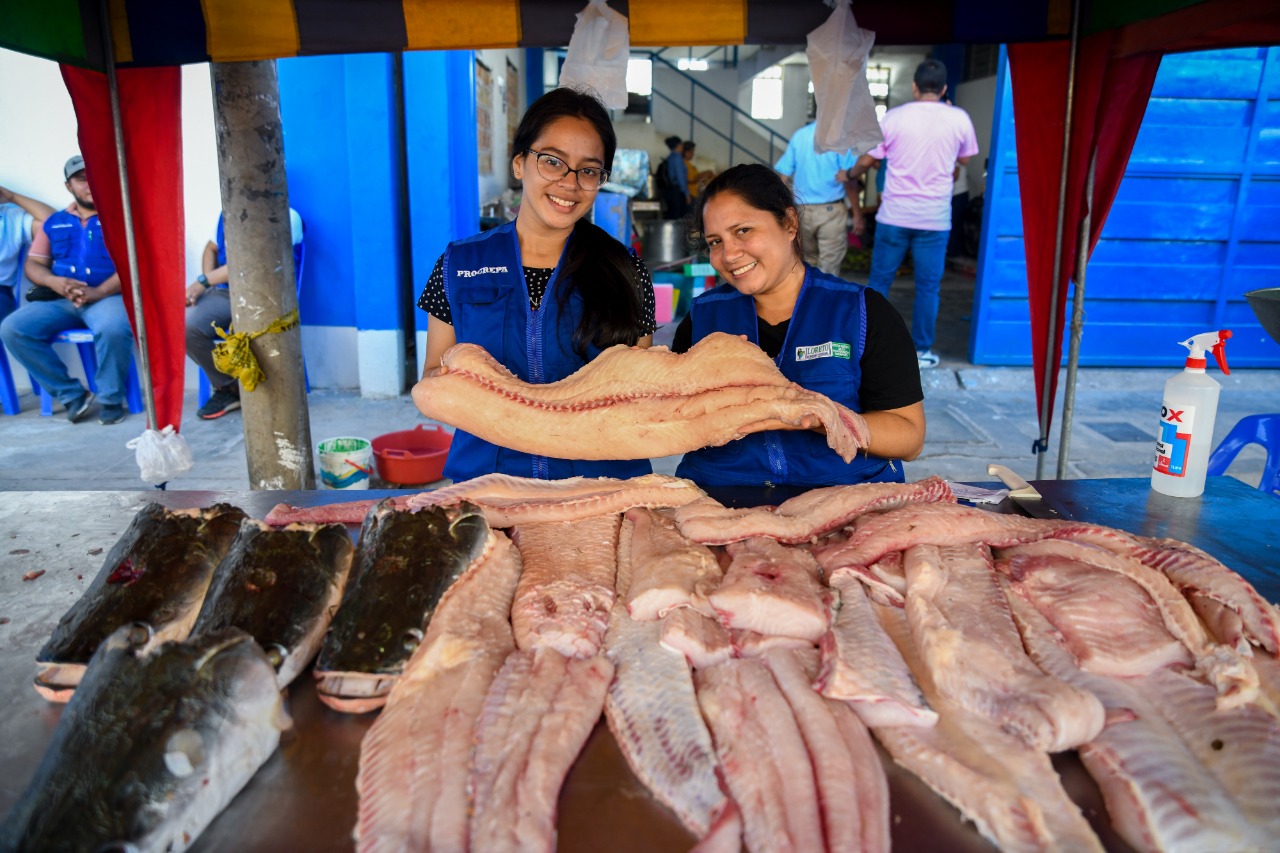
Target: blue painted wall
point(1195, 225)
point(343, 149)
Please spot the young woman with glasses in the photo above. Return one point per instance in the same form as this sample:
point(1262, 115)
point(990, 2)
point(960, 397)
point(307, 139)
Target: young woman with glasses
point(546, 293)
point(826, 334)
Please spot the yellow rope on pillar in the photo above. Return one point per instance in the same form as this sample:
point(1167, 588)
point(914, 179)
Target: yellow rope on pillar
point(235, 358)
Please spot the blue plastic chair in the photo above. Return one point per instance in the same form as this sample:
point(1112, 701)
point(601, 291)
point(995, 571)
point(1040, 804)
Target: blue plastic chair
point(83, 339)
point(1252, 429)
point(206, 390)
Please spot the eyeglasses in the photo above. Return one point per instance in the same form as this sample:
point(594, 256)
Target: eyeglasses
point(552, 168)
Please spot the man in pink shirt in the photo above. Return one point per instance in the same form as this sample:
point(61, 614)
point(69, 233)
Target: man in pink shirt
point(923, 142)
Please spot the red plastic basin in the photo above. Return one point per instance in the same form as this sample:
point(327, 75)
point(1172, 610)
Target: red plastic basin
point(412, 457)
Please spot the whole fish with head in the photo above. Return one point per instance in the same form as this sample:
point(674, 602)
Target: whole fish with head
point(156, 573)
point(282, 587)
point(404, 562)
point(155, 743)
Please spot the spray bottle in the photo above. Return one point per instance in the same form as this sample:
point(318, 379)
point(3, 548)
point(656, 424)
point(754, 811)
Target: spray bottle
point(1186, 420)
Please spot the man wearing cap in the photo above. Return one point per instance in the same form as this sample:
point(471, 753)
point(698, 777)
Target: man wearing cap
point(76, 286)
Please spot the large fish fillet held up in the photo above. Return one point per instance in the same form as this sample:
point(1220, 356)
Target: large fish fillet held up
point(632, 403)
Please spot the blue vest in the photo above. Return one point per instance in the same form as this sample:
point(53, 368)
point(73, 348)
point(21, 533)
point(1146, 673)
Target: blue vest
point(822, 352)
point(77, 248)
point(484, 281)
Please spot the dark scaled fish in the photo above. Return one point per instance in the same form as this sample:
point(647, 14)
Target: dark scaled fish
point(156, 742)
point(156, 573)
point(404, 563)
point(282, 587)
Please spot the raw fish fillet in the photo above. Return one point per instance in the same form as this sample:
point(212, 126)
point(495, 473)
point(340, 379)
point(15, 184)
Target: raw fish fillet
point(853, 792)
point(536, 718)
point(416, 759)
point(773, 589)
point(765, 760)
point(1109, 623)
point(702, 640)
point(964, 632)
point(1160, 795)
point(806, 516)
point(653, 713)
point(567, 587)
point(1008, 789)
point(631, 402)
point(862, 666)
point(669, 571)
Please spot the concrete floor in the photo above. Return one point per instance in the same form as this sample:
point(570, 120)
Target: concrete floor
point(975, 415)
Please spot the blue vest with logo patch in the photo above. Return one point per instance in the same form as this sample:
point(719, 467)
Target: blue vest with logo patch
point(823, 353)
point(77, 248)
point(489, 299)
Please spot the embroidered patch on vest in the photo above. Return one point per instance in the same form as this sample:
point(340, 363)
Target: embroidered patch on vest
point(831, 349)
point(481, 271)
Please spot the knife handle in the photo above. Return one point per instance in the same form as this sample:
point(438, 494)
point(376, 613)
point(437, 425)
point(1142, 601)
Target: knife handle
point(1018, 487)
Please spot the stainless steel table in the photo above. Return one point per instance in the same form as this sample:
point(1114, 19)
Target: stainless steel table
point(304, 797)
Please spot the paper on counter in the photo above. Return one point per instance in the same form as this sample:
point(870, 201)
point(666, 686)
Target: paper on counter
point(977, 494)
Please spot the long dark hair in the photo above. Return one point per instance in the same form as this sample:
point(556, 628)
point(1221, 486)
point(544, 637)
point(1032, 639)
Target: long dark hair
point(596, 266)
point(760, 187)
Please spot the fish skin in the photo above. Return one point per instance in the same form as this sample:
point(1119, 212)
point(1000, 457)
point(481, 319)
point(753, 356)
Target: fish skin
point(282, 587)
point(157, 740)
point(404, 563)
point(157, 573)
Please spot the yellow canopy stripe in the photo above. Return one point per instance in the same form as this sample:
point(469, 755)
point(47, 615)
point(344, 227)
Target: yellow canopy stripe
point(461, 24)
point(274, 32)
point(660, 23)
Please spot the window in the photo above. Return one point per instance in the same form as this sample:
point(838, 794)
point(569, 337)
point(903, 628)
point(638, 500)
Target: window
point(689, 64)
point(640, 76)
point(878, 85)
point(766, 94)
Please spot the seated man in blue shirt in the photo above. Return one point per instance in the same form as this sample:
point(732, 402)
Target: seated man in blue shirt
point(76, 287)
point(209, 304)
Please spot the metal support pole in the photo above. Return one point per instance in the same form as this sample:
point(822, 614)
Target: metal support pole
point(1050, 368)
point(1077, 323)
point(135, 289)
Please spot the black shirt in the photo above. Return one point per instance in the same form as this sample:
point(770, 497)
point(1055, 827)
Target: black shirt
point(436, 303)
point(890, 373)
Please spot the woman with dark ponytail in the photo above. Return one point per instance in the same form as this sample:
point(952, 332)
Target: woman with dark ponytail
point(546, 293)
point(825, 334)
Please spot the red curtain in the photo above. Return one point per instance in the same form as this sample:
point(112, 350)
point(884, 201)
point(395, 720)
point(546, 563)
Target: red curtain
point(1110, 98)
point(151, 113)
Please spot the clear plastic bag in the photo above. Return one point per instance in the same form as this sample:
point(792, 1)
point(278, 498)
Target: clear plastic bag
point(162, 455)
point(598, 52)
point(837, 54)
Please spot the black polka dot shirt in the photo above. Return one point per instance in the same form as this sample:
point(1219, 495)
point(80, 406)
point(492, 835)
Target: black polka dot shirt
point(436, 303)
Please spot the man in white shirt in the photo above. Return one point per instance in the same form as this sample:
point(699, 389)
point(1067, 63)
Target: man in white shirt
point(923, 142)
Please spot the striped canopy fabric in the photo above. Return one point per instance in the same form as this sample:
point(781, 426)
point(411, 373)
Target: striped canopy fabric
point(176, 32)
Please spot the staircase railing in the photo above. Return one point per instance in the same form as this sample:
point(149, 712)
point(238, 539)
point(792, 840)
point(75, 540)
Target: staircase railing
point(777, 141)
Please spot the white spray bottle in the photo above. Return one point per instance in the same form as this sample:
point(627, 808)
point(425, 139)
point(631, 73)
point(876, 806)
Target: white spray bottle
point(1186, 420)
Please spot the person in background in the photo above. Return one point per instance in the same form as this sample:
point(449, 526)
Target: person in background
point(76, 286)
point(825, 203)
point(547, 293)
point(676, 187)
point(923, 142)
point(695, 177)
point(20, 220)
point(826, 334)
point(209, 304)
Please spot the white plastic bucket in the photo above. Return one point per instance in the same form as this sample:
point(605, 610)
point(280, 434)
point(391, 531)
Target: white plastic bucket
point(346, 463)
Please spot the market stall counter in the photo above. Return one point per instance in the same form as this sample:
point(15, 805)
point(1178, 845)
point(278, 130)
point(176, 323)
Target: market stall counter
point(304, 797)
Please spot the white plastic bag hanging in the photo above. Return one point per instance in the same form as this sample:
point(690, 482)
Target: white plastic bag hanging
point(837, 54)
point(598, 53)
point(162, 455)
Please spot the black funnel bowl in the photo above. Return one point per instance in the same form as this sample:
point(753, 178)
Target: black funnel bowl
point(1266, 304)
